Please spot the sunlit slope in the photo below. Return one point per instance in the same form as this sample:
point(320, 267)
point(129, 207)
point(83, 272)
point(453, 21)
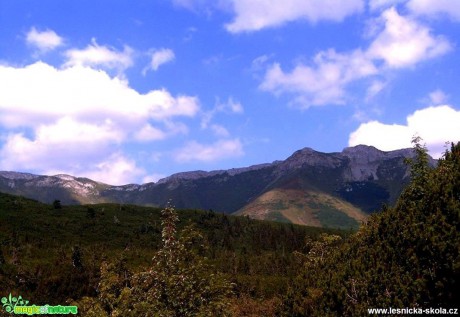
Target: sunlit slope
point(303, 207)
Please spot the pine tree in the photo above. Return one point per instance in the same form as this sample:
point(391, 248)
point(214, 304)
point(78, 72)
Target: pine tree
point(405, 256)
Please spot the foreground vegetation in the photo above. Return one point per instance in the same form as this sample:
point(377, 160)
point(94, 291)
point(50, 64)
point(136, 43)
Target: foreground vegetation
point(57, 254)
point(406, 256)
point(205, 264)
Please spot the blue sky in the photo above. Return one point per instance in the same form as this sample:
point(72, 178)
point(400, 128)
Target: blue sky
point(133, 91)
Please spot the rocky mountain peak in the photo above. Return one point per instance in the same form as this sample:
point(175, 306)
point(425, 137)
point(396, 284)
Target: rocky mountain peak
point(65, 177)
point(308, 157)
point(365, 161)
point(361, 151)
point(370, 153)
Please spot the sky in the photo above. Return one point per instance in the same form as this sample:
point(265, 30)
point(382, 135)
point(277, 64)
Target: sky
point(131, 91)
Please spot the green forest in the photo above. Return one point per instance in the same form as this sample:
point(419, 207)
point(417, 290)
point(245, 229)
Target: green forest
point(126, 260)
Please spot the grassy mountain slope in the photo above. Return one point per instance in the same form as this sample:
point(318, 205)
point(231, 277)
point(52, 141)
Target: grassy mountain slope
point(306, 208)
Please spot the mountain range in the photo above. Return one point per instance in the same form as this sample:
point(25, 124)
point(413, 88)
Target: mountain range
point(311, 188)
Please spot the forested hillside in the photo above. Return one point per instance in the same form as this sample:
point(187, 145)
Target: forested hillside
point(56, 253)
point(406, 256)
point(116, 260)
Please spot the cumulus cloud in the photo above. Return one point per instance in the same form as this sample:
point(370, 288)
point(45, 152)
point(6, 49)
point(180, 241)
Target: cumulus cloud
point(41, 92)
point(45, 41)
point(116, 170)
point(436, 125)
point(255, 15)
point(221, 149)
point(150, 133)
point(98, 56)
point(436, 7)
point(160, 57)
point(322, 82)
point(397, 42)
point(404, 42)
point(49, 151)
point(72, 119)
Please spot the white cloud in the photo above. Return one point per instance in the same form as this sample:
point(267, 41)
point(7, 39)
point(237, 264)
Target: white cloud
point(71, 120)
point(73, 148)
point(95, 55)
point(64, 138)
point(374, 89)
point(398, 42)
point(116, 170)
point(44, 40)
point(260, 62)
point(68, 130)
point(436, 125)
point(219, 150)
point(404, 42)
point(149, 133)
point(152, 178)
point(383, 4)
point(42, 154)
point(160, 57)
point(437, 97)
point(322, 83)
point(228, 107)
point(436, 7)
point(220, 130)
point(202, 5)
point(40, 92)
point(253, 15)
point(385, 137)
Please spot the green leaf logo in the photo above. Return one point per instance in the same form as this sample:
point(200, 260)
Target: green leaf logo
point(10, 302)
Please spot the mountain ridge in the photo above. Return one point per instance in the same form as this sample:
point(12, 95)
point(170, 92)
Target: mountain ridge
point(362, 176)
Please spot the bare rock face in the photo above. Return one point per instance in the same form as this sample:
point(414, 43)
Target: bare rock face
point(360, 163)
point(364, 162)
point(307, 157)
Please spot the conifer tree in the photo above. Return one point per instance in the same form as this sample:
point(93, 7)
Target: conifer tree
point(179, 282)
point(405, 256)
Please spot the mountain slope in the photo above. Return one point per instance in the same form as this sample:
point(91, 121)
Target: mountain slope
point(68, 189)
point(305, 208)
point(309, 187)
